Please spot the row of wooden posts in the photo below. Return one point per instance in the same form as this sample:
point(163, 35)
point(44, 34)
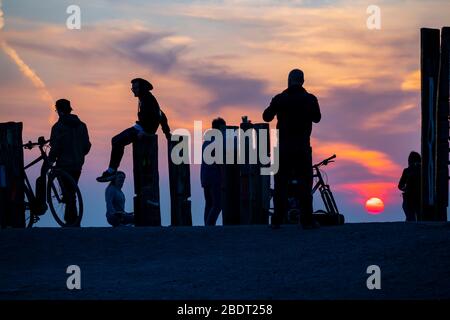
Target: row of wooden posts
point(245, 192)
point(435, 73)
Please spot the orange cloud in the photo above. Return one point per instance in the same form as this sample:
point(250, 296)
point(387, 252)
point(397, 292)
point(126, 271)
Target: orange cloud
point(412, 81)
point(376, 162)
point(360, 192)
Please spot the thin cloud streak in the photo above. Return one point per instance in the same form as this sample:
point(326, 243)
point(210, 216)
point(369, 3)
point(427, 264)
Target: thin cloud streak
point(25, 69)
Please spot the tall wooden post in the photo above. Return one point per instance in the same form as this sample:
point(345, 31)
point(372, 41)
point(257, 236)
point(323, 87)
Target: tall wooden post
point(12, 208)
point(429, 82)
point(262, 182)
point(146, 181)
point(180, 189)
point(247, 174)
point(254, 187)
point(442, 150)
point(230, 184)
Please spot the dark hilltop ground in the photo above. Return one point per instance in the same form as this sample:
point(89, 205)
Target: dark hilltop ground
point(241, 262)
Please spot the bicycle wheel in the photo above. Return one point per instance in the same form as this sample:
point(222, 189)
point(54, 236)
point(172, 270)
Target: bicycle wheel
point(328, 201)
point(332, 214)
point(29, 217)
point(64, 199)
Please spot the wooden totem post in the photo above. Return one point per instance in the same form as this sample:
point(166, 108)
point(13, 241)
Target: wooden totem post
point(230, 181)
point(254, 187)
point(247, 172)
point(180, 189)
point(12, 208)
point(442, 148)
point(262, 182)
point(146, 181)
point(429, 82)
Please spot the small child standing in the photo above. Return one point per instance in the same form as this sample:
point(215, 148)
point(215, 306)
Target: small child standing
point(410, 185)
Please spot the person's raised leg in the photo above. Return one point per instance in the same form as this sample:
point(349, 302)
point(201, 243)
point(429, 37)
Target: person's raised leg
point(118, 144)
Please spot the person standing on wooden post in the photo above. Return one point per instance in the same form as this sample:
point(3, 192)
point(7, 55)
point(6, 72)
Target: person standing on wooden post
point(296, 110)
point(210, 176)
point(69, 143)
point(150, 116)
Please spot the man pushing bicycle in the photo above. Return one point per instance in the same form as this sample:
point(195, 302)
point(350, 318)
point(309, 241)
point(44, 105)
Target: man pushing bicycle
point(69, 142)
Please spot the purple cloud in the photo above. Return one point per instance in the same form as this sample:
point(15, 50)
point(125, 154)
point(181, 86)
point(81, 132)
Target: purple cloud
point(230, 89)
point(346, 111)
point(138, 47)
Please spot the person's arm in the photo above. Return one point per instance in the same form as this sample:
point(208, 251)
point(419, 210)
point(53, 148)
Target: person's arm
point(271, 111)
point(315, 110)
point(55, 143)
point(164, 124)
point(86, 143)
point(402, 182)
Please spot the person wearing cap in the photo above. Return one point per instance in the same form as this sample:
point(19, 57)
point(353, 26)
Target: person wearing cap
point(150, 116)
point(296, 111)
point(69, 143)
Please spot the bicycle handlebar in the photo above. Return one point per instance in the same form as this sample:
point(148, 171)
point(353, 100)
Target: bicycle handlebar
point(41, 142)
point(325, 162)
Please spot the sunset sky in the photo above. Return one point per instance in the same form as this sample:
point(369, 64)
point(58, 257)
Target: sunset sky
point(225, 58)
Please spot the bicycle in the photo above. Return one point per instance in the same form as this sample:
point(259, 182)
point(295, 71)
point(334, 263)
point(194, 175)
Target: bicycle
point(331, 214)
point(55, 188)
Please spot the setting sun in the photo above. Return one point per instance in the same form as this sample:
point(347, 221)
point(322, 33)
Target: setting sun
point(374, 206)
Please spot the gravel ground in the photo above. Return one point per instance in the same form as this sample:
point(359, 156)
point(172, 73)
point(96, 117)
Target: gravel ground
point(239, 262)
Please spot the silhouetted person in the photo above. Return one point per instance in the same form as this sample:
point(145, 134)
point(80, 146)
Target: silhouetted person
point(296, 110)
point(115, 202)
point(69, 142)
point(410, 185)
point(210, 176)
point(150, 116)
